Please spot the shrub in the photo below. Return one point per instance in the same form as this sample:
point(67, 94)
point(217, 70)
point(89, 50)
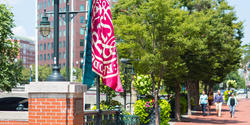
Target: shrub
point(144, 107)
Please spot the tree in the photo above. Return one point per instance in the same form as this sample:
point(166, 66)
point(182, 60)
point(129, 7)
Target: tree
point(151, 30)
point(237, 78)
point(9, 75)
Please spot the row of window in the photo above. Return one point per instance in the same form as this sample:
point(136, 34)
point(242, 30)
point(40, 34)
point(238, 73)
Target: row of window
point(51, 45)
point(50, 56)
point(45, 4)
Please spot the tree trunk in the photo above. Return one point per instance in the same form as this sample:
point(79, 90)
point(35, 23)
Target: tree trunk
point(205, 88)
point(197, 93)
point(156, 100)
point(177, 103)
point(188, 97)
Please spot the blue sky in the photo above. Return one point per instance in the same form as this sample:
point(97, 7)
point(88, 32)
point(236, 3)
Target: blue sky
point(24, 12)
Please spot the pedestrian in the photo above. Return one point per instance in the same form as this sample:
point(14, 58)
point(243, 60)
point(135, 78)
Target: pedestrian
point(232, 102)
point(210, 101)
point(218, 100)
point(203, 102)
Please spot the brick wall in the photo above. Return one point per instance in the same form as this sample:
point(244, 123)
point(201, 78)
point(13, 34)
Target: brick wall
point(55, 111)
point(13, 122)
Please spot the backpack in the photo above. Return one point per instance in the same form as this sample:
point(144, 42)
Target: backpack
point(232, 101)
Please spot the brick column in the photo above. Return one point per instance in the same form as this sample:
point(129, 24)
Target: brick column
point(55, 103)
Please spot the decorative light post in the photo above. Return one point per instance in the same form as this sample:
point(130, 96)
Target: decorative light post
point(127, 62)
point(44, 29)
point(31, 73)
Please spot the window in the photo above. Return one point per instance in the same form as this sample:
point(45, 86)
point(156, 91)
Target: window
point(60, 22)
point(49, 36)
point(38, 5)
point(52, 2)
point(41, 46)
point(81, 42)
point(48, 4)
point(44, 47)
point(60, 33)
point(64, 43)
point(60, 1)
point(48, 56)
point(45, 4)
point(81, 7)
point(41, 5)
point(60, 55)
point(52, 56)
point(81, 54)
point(44, 57)
point(64, 1)
point(41, 57)
point(63, 65)
point(48, 46)
point(60, 45)
point(64, 32)
point(81, 19)
point(52, 35)
point(81, 31)
point(64, 55)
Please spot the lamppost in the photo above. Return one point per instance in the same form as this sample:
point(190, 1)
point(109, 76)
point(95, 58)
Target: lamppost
point(127, 62)
point(31, 73)
point(44, 29)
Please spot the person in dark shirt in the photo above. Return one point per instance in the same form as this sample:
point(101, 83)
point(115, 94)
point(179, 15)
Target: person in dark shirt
point(218, 100)
point(232, 102)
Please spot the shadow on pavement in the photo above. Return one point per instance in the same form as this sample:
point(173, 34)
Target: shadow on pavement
point(211, 121)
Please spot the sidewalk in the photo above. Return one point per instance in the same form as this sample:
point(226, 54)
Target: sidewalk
point(242, 116)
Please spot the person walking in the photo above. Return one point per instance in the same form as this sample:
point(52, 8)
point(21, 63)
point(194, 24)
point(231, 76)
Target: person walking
point(203, 102)
point(232, 102)
point(218, 100)
point(210, 101)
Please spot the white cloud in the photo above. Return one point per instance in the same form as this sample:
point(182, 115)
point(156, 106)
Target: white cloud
point(21, 31)
point(10, 2)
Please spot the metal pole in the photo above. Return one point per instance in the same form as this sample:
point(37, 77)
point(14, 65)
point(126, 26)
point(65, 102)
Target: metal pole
point(67, 39)
point(98, 99)
point(125, 88)
point(56, 35)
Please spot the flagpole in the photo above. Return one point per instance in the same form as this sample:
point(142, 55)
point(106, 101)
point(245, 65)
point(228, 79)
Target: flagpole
point(98, 99)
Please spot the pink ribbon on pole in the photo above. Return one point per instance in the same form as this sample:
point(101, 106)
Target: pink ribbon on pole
point(104, 54)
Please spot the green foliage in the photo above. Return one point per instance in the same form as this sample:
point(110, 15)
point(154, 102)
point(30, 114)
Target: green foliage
point(238, 79)
point(110, 106)
point(226, 95)
point(183, 103)
point(43, 72)
point(77, 72)
point(165, 111)
point(10, 71)
point(143, 84)
point(231, 84)
point(144, 107)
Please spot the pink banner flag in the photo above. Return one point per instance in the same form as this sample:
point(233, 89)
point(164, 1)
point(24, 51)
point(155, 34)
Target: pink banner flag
point(104, 54)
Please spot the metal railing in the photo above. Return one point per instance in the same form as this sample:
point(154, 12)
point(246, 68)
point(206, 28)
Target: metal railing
point(109, 117)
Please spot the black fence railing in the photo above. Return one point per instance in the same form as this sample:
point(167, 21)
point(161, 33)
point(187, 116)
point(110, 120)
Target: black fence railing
point(109, 117)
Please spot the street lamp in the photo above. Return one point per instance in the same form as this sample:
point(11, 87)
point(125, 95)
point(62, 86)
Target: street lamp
point(44, 25)
point(127, 62)
point(44, 29)
point(31, 73)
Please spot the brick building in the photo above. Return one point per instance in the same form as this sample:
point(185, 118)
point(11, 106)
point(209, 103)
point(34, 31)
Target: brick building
point(77, 32)
point(27, 50)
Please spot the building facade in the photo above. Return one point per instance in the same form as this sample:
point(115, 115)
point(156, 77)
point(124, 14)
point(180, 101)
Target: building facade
point(26, 51)
point(76, 33)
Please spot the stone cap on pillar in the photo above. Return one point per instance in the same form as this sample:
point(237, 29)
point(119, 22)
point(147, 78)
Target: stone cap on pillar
point(55, 87)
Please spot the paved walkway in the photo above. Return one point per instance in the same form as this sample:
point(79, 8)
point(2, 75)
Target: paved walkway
point(242, 116)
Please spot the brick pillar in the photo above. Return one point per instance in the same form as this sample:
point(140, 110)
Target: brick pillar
point(55, 103)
